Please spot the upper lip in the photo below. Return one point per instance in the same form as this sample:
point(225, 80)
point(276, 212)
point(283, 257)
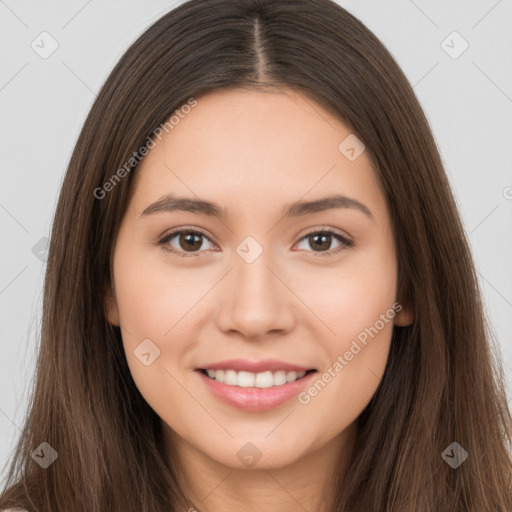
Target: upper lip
point(265, 365)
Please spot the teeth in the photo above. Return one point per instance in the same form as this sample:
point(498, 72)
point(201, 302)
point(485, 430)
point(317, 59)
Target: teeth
point(257, 380)
point(264, 380)
point(230, 378)
point(245, 379)
point(291, 376)
point(280, 378)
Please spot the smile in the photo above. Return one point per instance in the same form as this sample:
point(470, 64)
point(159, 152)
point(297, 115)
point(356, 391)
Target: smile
point(246, 379)
point(254, 386)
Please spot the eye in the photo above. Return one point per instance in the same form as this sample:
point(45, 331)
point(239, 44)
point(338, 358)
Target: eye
point(320, 240)
point(188, 241)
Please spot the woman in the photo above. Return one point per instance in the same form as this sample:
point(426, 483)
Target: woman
point(259, 294)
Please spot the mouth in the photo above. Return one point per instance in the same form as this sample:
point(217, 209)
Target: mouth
point(255, 386)
point(261, 380)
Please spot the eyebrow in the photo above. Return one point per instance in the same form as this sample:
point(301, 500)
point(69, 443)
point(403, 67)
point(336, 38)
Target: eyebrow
point(171, 203)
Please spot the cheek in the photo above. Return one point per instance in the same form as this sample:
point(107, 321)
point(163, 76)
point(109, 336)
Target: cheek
point(156, 300)
point(356, 303)
point(352, 295)
point(357, 358)
point(360, 315)
point(154, 304)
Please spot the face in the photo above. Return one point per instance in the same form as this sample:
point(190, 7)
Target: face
point(256, 332)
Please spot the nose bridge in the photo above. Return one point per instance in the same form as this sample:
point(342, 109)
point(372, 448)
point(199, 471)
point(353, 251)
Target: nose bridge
point(256, 302)
point(253, 277)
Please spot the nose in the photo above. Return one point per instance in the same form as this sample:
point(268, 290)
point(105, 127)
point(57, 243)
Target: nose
point(256, 301)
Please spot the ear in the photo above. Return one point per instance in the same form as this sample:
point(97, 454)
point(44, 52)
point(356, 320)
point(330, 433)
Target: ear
point(405, 316)
point(111, 309)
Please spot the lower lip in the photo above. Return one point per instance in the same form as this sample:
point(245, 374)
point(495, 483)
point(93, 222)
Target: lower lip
point(256, 399)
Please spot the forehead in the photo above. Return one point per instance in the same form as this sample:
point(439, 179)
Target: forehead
point(255, 148)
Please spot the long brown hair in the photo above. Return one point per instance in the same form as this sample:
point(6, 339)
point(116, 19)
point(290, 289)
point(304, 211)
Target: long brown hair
point(443, 382)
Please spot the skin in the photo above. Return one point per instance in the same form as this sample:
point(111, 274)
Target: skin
point(254, 153)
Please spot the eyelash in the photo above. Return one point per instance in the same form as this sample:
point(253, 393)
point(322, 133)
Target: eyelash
point(163, 242)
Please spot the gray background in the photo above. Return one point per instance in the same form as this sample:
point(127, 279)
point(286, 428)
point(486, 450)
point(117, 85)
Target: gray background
point(43, 103)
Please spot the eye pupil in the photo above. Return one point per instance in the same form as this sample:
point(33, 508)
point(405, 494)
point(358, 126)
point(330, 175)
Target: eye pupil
point(190, 243)
point(324, 237)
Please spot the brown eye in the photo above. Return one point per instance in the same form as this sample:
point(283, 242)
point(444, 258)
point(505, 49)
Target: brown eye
point(184, 241)
point(319, 242)
point(190, 241)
